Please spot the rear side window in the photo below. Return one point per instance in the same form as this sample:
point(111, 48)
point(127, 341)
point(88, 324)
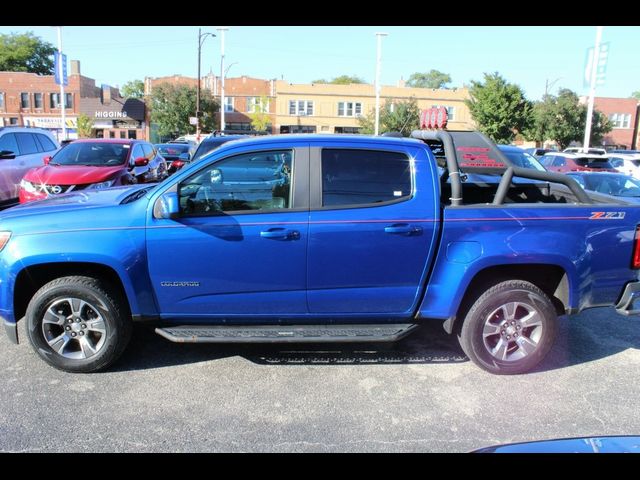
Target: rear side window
point(364, 177)
point(46, 144)
point(26, 143)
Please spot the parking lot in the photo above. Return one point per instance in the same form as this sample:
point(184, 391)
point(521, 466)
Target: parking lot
point(421, 395)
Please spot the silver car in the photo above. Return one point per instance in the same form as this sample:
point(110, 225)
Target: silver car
point(21, 149)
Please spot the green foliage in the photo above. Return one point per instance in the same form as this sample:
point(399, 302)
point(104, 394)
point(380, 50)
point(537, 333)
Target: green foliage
point(430, 79)
point(85, 126)
point(172, 105)
point(636, 95)
point(341, 80)
point(499, 108)
point(403, 117)
point(564, 119)
point(25, 53)
point(133, 89)
point(260, 119)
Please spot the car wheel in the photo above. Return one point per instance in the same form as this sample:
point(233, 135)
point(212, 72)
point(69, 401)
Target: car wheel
point(510, 328)
point(78, 324)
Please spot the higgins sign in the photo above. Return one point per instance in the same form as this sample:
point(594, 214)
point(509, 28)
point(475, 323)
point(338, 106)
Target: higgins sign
point(110, 114)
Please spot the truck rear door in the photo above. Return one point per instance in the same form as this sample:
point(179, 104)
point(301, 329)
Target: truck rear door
point(373, 226)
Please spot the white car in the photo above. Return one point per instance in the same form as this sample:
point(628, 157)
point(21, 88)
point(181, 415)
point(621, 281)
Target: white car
point(591, 151)
point(626, 163)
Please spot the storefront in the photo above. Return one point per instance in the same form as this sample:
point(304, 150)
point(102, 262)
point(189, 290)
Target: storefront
point(54, 125)
point(117, 118)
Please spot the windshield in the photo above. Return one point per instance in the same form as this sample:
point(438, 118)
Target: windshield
point(524, 160)
point(93, 154)
point(617, 185)
point(173, 149)
point(593, 162)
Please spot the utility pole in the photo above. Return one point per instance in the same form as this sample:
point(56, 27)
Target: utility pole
point(222, 75)
point(61, 74)
point(592, 89)
point(377, 85)
point(201, 38)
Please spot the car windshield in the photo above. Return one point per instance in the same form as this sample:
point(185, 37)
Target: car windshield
point(617, 185)
point(174, 149)
point(93, 154)
point(592, 162)
point(524, 160)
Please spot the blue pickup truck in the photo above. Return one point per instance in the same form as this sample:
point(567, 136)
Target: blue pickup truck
point(320, 238)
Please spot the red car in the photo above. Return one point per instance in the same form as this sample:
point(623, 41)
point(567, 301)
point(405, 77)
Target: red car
point(563, 162)
point(94, 163)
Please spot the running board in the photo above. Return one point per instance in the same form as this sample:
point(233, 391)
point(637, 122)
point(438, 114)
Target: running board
point(286, 333)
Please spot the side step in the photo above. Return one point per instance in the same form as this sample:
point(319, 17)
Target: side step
point(286, 333)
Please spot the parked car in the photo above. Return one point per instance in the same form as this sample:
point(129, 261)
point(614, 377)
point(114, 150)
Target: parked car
point(177, 155)
point(538, 152)
point(210, 143)
point(624, 151)
point(520, 158)
point(21, 149)
point(616, 184)
point(94, 164)
point(574, 162)
point(343, 239)
point(590, 151)
point(628, 163)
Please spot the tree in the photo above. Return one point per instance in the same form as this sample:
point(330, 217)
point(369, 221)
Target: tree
point(85, 126)
point(636, 95)
point(430, 79)
point(499, 108)
point(564, 119)
point(133, 89)
point(25, 53)
point(172, 105)
point(260, 119)
point(403, 117)
point(341, 80)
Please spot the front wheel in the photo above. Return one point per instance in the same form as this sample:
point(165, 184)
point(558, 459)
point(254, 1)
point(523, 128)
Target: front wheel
point(78, 324)
point(510, 328)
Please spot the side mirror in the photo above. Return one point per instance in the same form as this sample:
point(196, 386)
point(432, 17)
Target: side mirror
point(46, 159)
point(185, 157)
point(167, 206)
point(141, 162)
point(7, 154)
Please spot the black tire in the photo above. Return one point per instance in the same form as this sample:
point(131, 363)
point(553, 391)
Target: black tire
point(498, 333)
point(104, 308)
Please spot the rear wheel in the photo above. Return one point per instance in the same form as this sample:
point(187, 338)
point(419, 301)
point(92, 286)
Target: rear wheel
point(510, 328)
point(78, 324)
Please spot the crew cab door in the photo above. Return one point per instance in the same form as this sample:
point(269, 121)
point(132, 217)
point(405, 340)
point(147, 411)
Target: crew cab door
point(239, 244)
point(372, 228)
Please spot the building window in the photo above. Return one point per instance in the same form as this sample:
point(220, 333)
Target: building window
point(254, 105)
point(349, 109)
point(131, 134)
point(112, 134)
point(620, 120)
point(54, 100)
point(351, 130)
point(238, 126)
point(24, 100)
point(298, 129)
point(13, 121)
point(1, 100)
point(451, 112)
point(301, 107)
point(37, 100)
point(228, 104)
point(123, 134)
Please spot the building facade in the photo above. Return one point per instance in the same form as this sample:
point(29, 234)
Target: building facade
point(329, 108)
point(31, 100)
point(623, 115)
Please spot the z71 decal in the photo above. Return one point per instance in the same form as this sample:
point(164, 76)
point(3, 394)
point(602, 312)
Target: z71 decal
point(606, 216)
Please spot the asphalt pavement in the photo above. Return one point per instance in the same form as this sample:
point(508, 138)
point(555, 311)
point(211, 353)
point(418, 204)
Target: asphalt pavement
point(420, 395)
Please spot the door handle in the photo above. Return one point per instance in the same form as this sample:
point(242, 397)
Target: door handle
point(280, 234)
point(403, 229)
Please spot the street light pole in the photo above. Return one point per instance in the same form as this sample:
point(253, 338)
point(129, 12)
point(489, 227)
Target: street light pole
point(222, 75)
point(201, 37)
point(377, 85)
point(61, 74)
point(592, 89)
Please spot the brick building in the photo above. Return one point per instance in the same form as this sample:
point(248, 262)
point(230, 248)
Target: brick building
point(623, 114)
point(28, 99)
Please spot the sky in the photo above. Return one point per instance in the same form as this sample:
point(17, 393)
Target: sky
point(529, 56)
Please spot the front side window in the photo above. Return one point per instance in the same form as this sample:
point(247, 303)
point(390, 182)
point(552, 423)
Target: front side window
point(247, 182)
point(558, 162)
point(364, 177)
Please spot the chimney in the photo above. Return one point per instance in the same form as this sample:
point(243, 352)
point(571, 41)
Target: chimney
point(106, 94)
point(401, 83)
point(75, 67)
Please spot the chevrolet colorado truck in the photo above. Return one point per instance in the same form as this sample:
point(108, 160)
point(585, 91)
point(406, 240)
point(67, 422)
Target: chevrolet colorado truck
point(320, 238)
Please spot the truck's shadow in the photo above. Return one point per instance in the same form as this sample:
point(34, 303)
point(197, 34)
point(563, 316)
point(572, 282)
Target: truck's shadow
point(581, 339)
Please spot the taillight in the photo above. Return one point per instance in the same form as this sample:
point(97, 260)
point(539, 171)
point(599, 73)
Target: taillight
point(177, 164)
point(635, 262)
